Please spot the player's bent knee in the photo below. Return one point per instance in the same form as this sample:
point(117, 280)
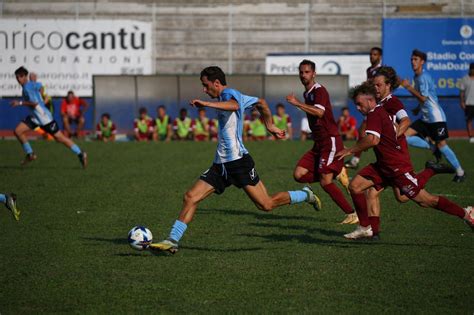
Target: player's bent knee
point(354, 188)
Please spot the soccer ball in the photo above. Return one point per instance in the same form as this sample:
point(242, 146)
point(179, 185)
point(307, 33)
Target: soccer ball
point(139, 237)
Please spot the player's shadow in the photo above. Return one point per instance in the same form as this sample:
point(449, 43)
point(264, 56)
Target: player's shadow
point(97, 240)
point(257, 214)
point(223, 250)
point(300, 238)
point(307, 230)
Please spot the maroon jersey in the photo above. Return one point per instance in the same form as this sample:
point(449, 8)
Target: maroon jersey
point(392, 157)
point(371, 71)
point(324, 127)
point(395, 108)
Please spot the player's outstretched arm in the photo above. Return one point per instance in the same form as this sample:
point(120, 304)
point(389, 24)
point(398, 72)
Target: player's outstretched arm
point(407, 85)
point(16, 103)
point(230, 105)
point(309, 109)
point(363, 144)
point(403, 126)
point(262, 107)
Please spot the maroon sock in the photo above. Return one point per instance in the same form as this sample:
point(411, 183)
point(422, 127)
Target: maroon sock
point(450, 207)
point(361, 208)
point(358, 154)
point(307, 178)
point(338, 197)
point(375, 224)
point(424, 176)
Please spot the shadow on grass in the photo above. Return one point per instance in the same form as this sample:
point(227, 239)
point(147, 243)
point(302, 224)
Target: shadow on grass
point(116, 241)
point(257, 214)
point(224, 250)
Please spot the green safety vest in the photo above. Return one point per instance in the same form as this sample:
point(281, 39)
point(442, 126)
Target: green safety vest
point(183, 126)
point(281, 122)
point(200, 127)
point(143, 125)
point(162, 126)
point(257, 127)
point(106, 130)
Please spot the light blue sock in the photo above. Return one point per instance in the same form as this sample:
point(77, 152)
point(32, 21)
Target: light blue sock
point(27, 148)
point(177, 230)
point(452, 159)
point(3, 198)
point(76, 149)
point(298, 196)
point(416, 141)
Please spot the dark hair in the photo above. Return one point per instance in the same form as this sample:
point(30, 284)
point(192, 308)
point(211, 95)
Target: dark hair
point(70, 93)
point(390, 76)
point(201, 109)
point(279, 105)
point(309, 63)
point(21, 72)
point(142, 110)
point(344, 108)
point(161, 106)
point(106, 115)
point(366, 88)
point(183, 110)
point(213, 73)
point(419, 53)
point(378, 49)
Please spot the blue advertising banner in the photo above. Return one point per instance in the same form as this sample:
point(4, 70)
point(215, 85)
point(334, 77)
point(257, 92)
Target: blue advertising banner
point(448, 42)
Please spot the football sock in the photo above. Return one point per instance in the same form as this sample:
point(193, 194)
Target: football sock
point(76, 149)
point(177, 230)
point(307, 178)
point(3, 198)
point(360, 204)
point(424, 176)
point(338, 197)
point(27, 148)
point(452, 159)
point(418, 142)
point(297, 196)
point(375, 224)
point(450, 207)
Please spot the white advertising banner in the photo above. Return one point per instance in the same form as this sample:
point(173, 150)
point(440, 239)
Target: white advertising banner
point(353, 65)
point(66, 53)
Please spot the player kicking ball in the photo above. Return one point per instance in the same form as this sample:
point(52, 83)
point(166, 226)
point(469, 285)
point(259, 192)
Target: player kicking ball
point(232, 164)
point(40, 117)
point(392, 167)
point(9, 200)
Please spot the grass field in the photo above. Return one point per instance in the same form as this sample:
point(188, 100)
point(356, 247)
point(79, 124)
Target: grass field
point(69, 251)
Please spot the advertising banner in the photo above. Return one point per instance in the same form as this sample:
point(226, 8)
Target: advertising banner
point(66, 53)
point(448, 43)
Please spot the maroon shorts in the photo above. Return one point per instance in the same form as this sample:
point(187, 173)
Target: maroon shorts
point(406, 182)
point(321, 159)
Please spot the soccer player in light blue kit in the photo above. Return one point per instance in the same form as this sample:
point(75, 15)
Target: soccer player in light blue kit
point(432, 124)
point(9, 200)
point(232, 163)
point(40, 116)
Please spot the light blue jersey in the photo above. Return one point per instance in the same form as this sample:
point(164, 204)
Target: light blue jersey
point(40, 114)
point(230, 146)
point(431, 110)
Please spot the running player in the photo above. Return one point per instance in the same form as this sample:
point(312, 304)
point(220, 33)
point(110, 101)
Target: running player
point(232, 163)
point(385, 81)
point(9, 200)
point(318, 164)
point(40, 116)
point(393, 165)
point(375, 64)
point(432, 124)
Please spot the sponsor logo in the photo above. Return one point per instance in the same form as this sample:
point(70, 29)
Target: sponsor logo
point(205, 173)
point(465, 31)
point(252, 174)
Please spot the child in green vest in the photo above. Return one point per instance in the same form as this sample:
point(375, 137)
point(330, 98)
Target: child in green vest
point(106, 129)
point(283, 121)
point(143, 126)
point(200, 126)
point(182, 126)
point(162, 125)
point(255, 127)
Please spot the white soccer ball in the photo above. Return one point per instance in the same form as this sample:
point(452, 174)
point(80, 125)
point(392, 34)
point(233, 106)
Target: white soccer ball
point(140, 237)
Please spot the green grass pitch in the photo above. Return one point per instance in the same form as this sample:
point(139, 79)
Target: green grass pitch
point(69, 251)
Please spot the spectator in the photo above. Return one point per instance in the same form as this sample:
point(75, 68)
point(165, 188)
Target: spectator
point(305, 130)
point(467, 100)
point(162, 125)
point(72, 111)
point(213, 129)
point(283, 121)
point(143, 126)
point(106, 129)
point(347, 125)
point(182, 126)
point(256, 130)
point(200, 126)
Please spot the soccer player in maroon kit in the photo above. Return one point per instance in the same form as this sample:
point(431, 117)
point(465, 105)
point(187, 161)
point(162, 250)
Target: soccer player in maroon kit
point(319, 164)
point(393, 166)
